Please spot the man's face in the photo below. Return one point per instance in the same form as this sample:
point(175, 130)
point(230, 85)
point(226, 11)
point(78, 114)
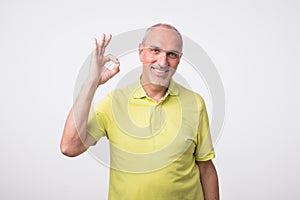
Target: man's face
point(160, 54)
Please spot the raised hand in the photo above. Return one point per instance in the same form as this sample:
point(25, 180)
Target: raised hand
point(98, 72)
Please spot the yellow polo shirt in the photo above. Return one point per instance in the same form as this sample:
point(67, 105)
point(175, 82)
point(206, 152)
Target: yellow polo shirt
point(153, 145)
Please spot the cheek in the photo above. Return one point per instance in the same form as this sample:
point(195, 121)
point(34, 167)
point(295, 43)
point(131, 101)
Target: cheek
point(174, 65)
point(145, 58)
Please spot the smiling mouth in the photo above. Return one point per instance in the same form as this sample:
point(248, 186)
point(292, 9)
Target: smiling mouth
point(160, 69)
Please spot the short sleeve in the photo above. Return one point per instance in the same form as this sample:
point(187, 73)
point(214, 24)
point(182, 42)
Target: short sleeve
point(204, 149)
point(97, 122)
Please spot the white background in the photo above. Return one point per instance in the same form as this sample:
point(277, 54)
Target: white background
point(254, 45)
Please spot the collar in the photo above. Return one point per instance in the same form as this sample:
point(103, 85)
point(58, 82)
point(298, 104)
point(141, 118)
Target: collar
point(139, 92)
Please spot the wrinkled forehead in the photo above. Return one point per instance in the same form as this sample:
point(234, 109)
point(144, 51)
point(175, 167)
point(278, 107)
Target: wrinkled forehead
point(165, 38)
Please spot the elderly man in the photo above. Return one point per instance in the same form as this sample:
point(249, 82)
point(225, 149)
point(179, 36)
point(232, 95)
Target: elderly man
point(161, 147)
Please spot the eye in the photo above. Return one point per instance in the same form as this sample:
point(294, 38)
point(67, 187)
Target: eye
point(173, 55)
point(155, 50)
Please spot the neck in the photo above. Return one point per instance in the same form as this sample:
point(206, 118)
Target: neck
point(155, 92)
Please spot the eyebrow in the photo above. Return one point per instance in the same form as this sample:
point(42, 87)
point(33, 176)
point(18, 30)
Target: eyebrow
point(174, 51)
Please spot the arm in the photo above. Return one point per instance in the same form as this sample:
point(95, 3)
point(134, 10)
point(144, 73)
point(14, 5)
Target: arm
point(75, 140)
point(209, 180)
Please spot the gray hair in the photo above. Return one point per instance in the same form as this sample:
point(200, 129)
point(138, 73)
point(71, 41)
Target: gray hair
point(164, 25)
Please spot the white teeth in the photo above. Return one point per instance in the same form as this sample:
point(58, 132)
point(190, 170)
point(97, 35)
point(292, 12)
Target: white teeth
point(159, 70)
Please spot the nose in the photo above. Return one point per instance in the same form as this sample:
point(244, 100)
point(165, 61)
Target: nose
point(163, 59)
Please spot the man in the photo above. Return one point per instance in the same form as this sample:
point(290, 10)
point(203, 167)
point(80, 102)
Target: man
point(158, 130)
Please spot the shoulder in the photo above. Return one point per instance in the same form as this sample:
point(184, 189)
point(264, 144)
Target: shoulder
point(124, 92)
point(186, 93)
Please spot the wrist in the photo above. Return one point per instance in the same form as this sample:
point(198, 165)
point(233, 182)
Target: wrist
point(91, 83)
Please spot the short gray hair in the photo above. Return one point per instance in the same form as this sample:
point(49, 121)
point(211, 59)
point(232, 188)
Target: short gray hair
point(164, 25)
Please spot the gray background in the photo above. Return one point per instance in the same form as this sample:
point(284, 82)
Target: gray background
point(254, 45)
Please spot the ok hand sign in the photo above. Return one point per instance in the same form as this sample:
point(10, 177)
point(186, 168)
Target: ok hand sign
point(98, 72)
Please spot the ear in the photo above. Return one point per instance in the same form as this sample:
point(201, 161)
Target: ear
point(141, 52)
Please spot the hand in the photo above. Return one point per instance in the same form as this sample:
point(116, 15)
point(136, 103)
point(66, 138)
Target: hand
point(98, 72)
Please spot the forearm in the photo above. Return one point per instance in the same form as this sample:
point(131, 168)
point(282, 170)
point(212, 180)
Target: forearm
point(74, 140)
point(209, 181)
point(82, 106)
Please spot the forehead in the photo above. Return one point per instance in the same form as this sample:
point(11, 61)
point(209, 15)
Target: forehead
point(165, 38)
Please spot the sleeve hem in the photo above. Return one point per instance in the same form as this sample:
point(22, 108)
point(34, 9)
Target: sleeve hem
point(207, 157)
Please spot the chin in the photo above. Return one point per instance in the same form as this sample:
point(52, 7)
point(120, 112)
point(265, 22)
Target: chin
point(160, 82)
